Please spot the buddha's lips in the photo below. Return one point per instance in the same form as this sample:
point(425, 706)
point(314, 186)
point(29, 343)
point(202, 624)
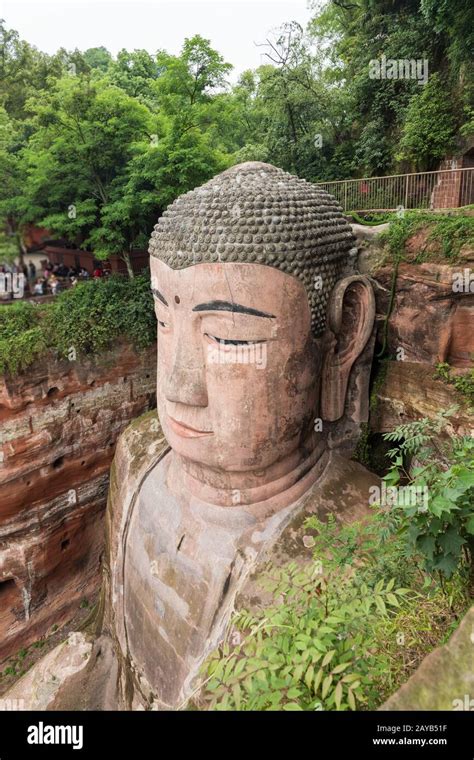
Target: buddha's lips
point(185, 431)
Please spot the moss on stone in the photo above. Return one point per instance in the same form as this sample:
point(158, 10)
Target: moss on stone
point(444, 678)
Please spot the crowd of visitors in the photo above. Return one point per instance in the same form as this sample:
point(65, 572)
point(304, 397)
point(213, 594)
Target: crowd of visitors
point(50, 279)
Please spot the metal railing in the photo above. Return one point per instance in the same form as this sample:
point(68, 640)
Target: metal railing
point(441, 189)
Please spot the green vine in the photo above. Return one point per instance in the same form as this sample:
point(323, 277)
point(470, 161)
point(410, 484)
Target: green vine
point(393, 288)
point(371, 219)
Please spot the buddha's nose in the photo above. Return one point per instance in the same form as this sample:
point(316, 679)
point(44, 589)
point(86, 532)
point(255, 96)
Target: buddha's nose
point(186, 382)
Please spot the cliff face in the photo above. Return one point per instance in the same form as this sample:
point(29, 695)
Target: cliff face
point(432, 318)
point(59, 422)
point(431, 323)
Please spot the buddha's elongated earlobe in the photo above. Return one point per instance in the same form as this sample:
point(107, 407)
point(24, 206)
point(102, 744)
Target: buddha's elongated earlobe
point(351, 315)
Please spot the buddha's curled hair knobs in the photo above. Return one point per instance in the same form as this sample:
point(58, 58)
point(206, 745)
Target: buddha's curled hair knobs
point(256, 213)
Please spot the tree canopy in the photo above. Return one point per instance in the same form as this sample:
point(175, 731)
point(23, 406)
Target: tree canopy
point(94, 147)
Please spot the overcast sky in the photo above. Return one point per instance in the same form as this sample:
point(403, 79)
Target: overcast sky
point(233, 26)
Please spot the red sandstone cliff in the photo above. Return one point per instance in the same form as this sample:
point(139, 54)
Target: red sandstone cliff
point(59, 422)
point(430, 323)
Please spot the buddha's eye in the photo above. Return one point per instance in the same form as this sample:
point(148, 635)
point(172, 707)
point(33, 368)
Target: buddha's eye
point(162, 324)
point(227, 342)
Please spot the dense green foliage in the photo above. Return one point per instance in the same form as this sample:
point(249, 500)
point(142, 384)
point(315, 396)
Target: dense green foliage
point(94, 147)
point(98, 149)
point(92, 316)
point(437, 515)
point(88, 319)
point(345, 629)
point(430, 125)
point(444, 235)
point(22, 337)
point(295, 657)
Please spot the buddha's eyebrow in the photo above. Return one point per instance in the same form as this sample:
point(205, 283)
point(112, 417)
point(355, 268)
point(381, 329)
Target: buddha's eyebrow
point(159, 296)
point(235, 307)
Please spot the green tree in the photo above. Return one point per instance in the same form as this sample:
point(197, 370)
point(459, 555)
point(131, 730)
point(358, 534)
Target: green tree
point(294, 115)
point(135, 72)
point(24, 70)
point(101, 164)
point(189, 144)
point(11, 243)
point(97, 58)
point(448, 19)
point(86, 132)
point(428, 133)
point(351, 34)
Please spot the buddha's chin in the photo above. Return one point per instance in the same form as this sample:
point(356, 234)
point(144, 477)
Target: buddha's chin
point(214, 454)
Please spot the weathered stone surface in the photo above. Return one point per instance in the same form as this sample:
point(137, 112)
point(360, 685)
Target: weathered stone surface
point(466, 254)
point(249, 450)
point(445, 678)
point(38, 688)
point(175, 567)
point(368, 233)
point(176, 563)
point(370, 250)
point(429, 321)
point(206, 559)
point(259, 214)
point(410, 391)
point(59, 422)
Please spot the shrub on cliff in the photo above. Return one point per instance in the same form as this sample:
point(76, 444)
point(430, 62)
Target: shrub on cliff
point(437, 521)
point(444, 236)
point(87, 319)
point(94, 315)
point(22, 338)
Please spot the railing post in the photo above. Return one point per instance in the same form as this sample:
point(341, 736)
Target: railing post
point(406, 192)
point(345, 196)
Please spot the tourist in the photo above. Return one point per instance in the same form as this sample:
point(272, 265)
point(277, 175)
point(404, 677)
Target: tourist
point(63, 270)
point(54, 284)
point(31, 271)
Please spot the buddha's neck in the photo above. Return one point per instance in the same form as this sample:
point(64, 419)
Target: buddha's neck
point(281, 483)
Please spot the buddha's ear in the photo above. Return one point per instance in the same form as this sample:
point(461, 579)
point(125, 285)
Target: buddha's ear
point(350, 321)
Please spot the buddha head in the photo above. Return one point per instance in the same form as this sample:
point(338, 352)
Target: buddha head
point(259, 325)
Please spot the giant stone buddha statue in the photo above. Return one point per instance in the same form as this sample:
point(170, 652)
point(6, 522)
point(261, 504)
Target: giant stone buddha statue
point(265, 340)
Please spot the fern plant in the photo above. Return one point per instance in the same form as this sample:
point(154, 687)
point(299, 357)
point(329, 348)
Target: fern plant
point(316, 648)
point(441, 529)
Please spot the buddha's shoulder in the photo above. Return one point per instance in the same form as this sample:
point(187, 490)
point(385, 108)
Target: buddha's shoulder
point(139, 447)
point(344, 491)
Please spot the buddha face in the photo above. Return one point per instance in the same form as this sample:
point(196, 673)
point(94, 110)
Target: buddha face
point(238, 368)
